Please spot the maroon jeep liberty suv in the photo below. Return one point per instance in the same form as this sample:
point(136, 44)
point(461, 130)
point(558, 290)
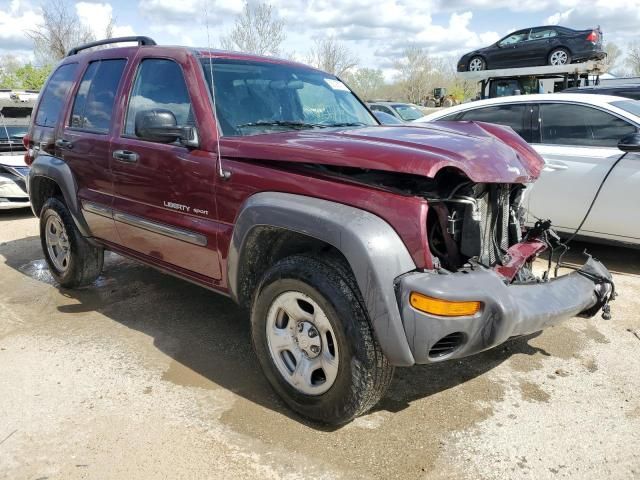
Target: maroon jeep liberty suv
point(356, 247)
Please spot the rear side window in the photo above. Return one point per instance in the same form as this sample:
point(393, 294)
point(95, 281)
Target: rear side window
point(159, 85)
point(54, 94)
point(564, 124)
point(94, 100)
point(509, 115)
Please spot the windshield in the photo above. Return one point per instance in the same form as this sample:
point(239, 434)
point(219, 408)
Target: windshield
point(631, 106)
point(259, 97)
point(408, 112)
point(14, 123)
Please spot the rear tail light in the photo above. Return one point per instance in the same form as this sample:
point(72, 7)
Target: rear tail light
point(28, 154)
point(593, 37)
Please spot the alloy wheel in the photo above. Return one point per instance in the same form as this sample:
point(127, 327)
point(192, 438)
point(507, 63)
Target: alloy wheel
point(559, 57)
point(302, 343)
point(476, 65)
point(57, 241)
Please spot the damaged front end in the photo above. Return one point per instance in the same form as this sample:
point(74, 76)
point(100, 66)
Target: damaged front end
point(484, 258)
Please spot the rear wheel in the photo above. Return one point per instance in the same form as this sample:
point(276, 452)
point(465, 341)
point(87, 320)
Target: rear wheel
point(72, 260)
point(559, 56)
point(431, 103)
point(314, 342)
point(477, 64)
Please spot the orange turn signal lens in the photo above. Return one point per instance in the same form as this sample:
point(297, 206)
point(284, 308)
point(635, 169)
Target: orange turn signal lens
point(443, 308)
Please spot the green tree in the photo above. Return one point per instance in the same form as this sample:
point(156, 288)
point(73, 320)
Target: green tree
point(332, 56)
point(257, 30)
point(14, 75)
point(633, 58)
point(366, 82)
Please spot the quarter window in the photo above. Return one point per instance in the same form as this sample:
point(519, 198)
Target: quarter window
point(94, 100)
point(54, 94)
point(509, 115)
point(159, 85)
point(565, 124)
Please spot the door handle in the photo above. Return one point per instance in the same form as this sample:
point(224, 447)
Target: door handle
point(62, 143)
point(125, 156)
point(555, 166)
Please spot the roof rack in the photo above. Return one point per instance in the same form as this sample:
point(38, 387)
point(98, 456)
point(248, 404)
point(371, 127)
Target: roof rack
point(139, 39)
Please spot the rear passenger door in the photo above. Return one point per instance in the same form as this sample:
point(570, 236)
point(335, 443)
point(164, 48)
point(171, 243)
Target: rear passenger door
point(164, 207)
point(579, 145)
point(85, 140)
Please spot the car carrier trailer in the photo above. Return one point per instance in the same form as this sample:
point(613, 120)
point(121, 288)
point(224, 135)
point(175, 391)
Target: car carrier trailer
point(528, 80)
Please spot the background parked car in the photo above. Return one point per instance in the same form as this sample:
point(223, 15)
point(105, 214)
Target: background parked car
point(577, 135)
point(549, 45)
point(631, 90)
point(406, 112)
point(15, 116)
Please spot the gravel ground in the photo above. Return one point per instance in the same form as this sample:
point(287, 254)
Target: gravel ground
point(145, 376)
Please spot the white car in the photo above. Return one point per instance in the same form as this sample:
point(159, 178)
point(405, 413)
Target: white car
point(15, 116)
point(577, 135)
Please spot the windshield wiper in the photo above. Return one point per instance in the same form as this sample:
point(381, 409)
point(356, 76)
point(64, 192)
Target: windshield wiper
point(278, 123)
point(344, 124)
point(293, 124)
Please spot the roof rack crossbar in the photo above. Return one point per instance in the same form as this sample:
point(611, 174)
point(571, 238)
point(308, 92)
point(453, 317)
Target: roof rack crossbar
point(139, 39)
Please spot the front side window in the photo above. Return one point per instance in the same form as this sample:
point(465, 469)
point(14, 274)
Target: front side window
point(96, 94)
point(159, 85)
point(54, 94)
point(565, 124)
point(514, 38)
point(258, 97)
point(509, 115)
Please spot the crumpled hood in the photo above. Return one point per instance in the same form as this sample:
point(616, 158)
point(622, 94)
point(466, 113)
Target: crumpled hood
point(486, 153)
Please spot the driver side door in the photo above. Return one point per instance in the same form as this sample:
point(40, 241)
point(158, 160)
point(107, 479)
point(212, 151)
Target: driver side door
point(164, 204)
point(509, 52)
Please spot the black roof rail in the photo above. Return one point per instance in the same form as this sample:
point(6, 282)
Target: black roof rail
point(139, 39)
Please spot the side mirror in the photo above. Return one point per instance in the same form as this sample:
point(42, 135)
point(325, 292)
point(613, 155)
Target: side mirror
point(630, 143)
point(160, 125)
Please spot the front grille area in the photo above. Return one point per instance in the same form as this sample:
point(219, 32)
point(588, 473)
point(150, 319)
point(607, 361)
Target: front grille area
point(478, 223)
point(494, 224)
point(447, 345)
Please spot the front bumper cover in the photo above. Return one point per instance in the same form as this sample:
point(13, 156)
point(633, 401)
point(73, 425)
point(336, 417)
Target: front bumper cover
point(508, 310)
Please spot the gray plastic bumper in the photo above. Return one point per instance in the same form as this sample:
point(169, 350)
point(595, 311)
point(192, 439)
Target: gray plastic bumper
point(508, 310)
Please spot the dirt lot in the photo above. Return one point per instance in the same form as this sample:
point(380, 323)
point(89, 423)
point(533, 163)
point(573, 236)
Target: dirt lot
point(146, 376)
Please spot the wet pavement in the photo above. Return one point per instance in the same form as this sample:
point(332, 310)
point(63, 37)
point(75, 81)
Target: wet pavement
point(142, 375)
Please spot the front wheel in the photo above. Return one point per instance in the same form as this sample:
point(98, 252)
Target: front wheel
point(477, 64)
point(559, 56)
point(73, 262)
point(314, 342)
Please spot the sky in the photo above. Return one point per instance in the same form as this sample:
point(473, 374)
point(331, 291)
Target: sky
point(375, 31)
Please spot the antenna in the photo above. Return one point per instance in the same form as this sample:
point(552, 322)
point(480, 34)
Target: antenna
point(224, 174)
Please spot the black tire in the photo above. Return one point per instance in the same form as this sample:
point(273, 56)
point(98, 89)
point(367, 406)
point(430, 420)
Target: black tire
point(85, 261)
point(364, 373)
point(431, 103)
point(481, 62)
point(556, 51)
